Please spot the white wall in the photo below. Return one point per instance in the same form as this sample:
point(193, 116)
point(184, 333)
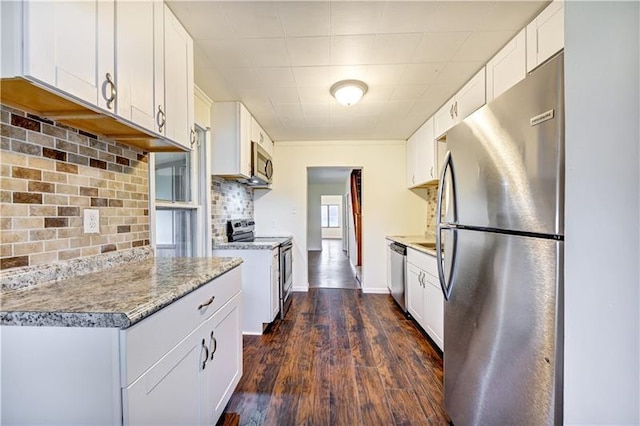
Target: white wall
point(388, 207)
point(314, 194)
point(337, 200)
point(602, 254)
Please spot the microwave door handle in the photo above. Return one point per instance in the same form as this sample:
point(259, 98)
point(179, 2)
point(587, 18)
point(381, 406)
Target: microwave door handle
point(268, 169)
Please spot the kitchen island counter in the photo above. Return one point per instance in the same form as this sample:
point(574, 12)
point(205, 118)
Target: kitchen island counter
point(116, 297)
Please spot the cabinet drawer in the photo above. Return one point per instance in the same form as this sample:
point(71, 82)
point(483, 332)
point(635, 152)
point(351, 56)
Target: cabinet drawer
point(424, 261)
point(146, 342)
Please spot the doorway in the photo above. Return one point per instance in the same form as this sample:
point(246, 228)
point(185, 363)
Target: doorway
point(333, 259)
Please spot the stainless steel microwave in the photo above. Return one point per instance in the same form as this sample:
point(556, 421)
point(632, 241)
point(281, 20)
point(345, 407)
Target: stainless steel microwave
point(261, 165)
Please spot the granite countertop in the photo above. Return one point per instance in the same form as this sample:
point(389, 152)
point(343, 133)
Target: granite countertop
point(413, 240)
point(115, 297)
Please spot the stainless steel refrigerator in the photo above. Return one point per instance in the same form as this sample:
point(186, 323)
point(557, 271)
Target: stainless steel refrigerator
point(500, 210)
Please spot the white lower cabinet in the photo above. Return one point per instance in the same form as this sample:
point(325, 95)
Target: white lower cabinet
point(180, 365)
point(424, 296)
point(260, 286)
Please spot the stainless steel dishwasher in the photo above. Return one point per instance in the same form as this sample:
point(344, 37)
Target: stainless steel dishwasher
point(398, 255)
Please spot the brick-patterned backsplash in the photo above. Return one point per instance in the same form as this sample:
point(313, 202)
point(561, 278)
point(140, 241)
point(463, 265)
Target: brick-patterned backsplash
point(49, 174)
point(229, 200)
point(432, 200)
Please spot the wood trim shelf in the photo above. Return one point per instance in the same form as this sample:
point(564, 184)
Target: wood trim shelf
point(29, 96)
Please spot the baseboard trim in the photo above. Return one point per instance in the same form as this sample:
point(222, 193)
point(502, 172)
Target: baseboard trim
point(300, 288)
point(383, 290)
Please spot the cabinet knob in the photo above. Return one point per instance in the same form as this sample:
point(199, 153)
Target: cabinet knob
point(112, 91)
point(161, 119)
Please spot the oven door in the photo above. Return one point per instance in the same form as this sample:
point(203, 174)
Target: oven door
point(286, 277)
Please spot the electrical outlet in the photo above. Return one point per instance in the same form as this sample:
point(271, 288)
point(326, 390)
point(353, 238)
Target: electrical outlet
point(91, 221)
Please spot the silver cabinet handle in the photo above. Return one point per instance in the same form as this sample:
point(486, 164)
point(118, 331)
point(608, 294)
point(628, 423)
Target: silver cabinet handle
point(451, 111)
point(214, 342)
point(113, 91)
point(206, 355)
point(161, 118)
point(261, 138)
point(431, 171)
point(193, 137)
point(207, 303)
point(456, 108)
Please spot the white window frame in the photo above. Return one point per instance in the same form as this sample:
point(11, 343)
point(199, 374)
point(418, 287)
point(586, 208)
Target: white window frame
point(328, 206)
point(200, 178)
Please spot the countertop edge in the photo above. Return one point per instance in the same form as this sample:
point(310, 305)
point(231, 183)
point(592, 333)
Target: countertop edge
point(411, 242)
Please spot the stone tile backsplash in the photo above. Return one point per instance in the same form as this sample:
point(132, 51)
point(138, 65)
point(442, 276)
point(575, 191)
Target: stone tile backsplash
point(51, 173)
point(229, 200)
point(432, 200)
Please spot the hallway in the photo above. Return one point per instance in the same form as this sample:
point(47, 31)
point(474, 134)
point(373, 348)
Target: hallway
point(331, 268)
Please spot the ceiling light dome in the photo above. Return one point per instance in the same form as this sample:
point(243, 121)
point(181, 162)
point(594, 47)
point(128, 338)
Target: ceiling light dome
point(348, 92)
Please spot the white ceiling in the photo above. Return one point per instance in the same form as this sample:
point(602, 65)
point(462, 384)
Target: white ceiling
point(281, 58)
point(328, 175)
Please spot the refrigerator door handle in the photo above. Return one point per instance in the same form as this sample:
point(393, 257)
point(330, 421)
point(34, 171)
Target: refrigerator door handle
point(445, 284)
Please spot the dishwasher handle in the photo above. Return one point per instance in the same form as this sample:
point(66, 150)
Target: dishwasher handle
point(398, 248)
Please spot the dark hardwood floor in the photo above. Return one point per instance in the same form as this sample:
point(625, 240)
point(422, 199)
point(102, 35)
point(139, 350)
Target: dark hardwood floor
point(339, 358)
point(330, 267)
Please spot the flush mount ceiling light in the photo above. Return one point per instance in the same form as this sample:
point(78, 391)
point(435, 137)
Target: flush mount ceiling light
point(348, 92)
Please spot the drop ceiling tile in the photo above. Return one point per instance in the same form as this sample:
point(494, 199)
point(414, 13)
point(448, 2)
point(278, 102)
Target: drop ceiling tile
point(203, 20)
point(282, 95)
point(312, 76)
point(439, 46)
point(301, 19)
point(352, 50)
point(420, 74)
point(254, 19)
point(378, 93)
point(276, 76)
point(213, 84)
point(459, 15)
point(355, 17)
point(318, 111)
point(313, 95)
point(407, 16)
point(395, 48)
point(408, 93)
point(241, 78)
point(226, 53)
point(482, 44)
point(346, 72)
point(371, 108)
point(384, 75)
point(291, 110)
point(268, 52)
point(398, 109)
point(305, 51)
point(510, 15)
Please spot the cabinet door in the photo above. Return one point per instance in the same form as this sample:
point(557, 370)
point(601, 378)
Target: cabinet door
point(70, 46)
point(545, 35)
point(275, 283)
point(138, 42)
point(224, 368)
point(444, 119)
point(245, 141)
point(434, 310)
point(424, 157)
point(170, 391)
point(508, 67)
point(471, 97)
point(411, 151)
point(178, 79)
point(415, 293)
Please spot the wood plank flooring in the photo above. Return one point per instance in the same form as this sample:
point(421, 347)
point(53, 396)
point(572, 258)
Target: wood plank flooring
point(330, 267)
point(339, 358)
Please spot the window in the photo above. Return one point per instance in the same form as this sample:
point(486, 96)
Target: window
point(330, 216)
point(178, 205)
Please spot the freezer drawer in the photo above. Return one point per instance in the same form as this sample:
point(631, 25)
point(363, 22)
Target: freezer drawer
point(503, 352)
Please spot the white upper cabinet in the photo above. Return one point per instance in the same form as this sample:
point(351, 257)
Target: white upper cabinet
point(468, 99)
point(508, 67)
point(231, 138)
point(421, 167)
point(139, 43)
point(69, 46)
point(545, 35)
point(261, 137)
point(178, 81)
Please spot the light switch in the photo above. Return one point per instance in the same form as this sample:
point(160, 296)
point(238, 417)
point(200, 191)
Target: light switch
point(91, 221)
